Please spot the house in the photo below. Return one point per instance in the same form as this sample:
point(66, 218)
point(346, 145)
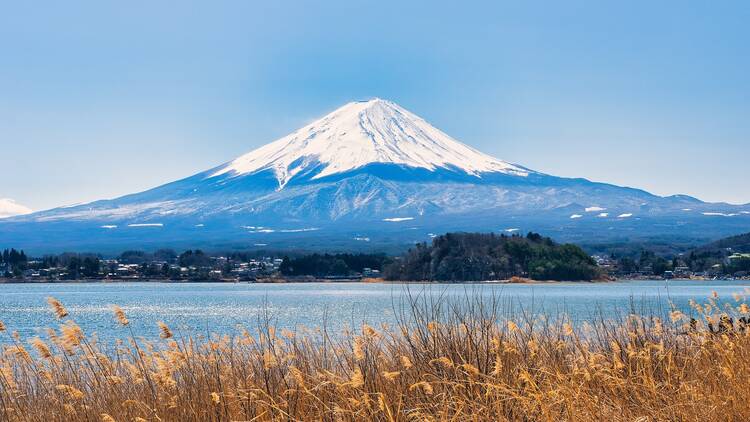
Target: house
point(738, 256)
point(369, 272)
point(647, 270)
point(127, 271)
point(31, 274)
point(682, 272)
point(715, 270)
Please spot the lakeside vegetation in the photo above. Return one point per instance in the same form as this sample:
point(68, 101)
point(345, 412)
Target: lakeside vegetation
point(459, 360)
point(331, 265)
point(454, 257)
point(479, 256)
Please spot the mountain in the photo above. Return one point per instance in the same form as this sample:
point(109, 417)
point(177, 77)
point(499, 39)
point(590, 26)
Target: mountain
point(10, 208)
point(370, 175)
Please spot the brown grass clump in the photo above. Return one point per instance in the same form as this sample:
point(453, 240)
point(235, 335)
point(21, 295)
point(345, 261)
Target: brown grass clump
point(450, 361)
point(371, 280)
point(519, 280)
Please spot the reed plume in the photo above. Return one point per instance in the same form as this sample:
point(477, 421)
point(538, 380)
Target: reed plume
point(41, 347)
point(120, 315)
point(164, 330)
point(57, 307)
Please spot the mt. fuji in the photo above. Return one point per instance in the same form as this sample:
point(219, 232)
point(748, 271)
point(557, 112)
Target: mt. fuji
point(360, 134)
point(369, 174)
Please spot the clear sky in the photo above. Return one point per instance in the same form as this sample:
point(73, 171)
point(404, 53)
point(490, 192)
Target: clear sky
point(100, 99)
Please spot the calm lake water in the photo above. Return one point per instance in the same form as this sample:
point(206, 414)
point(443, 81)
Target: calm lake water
point(197, 308)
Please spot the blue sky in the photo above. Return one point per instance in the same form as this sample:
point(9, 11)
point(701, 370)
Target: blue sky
point(100, 99)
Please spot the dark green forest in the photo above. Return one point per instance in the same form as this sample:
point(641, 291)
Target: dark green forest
point(324, 265)
point(478, 256)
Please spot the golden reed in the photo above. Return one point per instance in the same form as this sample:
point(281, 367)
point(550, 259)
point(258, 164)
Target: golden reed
point(450, 361)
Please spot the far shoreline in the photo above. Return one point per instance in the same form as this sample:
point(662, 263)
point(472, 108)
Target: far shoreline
point(357, 281)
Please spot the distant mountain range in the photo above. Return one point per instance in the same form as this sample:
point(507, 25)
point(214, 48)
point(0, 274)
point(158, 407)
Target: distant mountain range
point(368, 175)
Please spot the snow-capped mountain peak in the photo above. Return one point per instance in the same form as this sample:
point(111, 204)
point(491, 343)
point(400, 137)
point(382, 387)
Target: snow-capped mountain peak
point(363, 133)
point(10, 208)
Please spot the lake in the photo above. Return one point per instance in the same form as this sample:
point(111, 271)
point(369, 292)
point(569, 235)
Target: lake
point(198, 308)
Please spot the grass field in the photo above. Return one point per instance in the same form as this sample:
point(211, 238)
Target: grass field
point(443, 361)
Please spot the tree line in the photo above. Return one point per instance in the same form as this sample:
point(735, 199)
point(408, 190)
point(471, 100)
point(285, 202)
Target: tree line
point(326, 265)
point(480, 256)
point(13, 261)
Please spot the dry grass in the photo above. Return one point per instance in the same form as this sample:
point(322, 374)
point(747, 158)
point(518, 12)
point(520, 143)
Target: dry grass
point(442, 362)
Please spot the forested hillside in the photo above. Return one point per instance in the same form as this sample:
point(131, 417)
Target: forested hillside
point(739, 243)
point(730, 253)
point(477, 256)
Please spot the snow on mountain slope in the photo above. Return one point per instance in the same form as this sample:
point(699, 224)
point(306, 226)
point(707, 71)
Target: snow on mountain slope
point(10, 208)
point(363, 133)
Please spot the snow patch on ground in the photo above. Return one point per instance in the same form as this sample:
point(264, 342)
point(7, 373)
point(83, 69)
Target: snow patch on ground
point(262, 229)
point(306, 229)
point(398, 219)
